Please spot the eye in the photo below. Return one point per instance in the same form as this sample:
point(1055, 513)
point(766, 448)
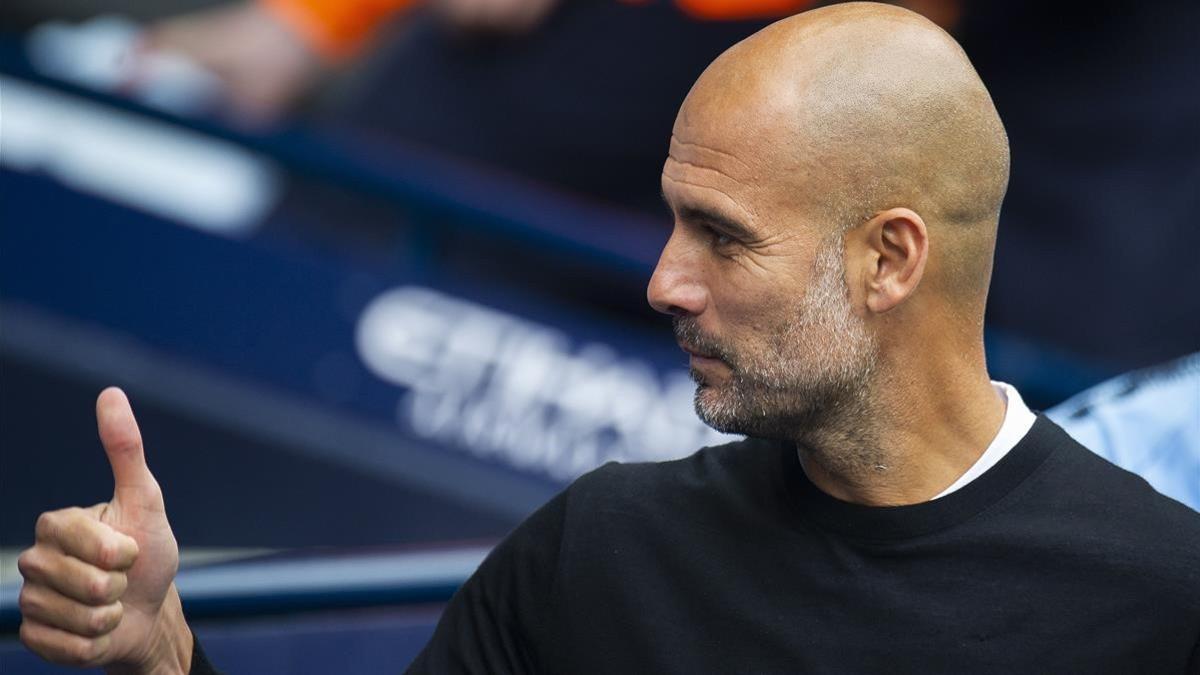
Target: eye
point(719, 238)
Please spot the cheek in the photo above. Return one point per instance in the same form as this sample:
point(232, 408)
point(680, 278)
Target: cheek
point(751, 313)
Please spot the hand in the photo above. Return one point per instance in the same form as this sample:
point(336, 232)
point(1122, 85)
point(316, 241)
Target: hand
point(99, 585)
point(263, 64)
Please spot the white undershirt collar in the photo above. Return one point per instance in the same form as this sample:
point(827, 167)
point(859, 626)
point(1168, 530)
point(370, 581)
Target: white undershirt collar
point(1018, 419)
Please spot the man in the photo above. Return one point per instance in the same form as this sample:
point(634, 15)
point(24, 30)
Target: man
point(836, 181)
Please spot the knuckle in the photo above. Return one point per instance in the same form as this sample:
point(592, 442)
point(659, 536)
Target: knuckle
point(115, 615)
point(98, 588)
point(26, 636)
point(29, 562)
point(106, 554)
point(34, 639)
point(46, 524)
point(95, 650)
point(27, 601)
point(54, 525)
point(81, 652)
point(99, 621)
point(118, 582)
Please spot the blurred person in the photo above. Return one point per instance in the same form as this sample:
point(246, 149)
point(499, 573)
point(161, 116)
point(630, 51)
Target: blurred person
point(836, 182)
point(1147, 421)
point(577, 95)
point(269, 52)
point(262, 63)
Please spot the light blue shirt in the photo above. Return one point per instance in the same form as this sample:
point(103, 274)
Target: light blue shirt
point(1147, 422)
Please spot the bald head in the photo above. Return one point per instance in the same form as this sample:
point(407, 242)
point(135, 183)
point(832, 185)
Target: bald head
point(855, 108)
point(835, 181)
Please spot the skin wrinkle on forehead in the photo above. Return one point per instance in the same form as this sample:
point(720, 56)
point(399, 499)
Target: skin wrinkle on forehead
point(675, 140)
point(699, 169)
point(749, 215)
point(757, 181)
point(758, 239)
point(723, 176)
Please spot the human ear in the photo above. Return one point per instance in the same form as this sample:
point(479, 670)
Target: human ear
point(899, 244)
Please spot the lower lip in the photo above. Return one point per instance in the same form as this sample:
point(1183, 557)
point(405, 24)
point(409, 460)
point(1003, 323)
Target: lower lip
point(704, 360)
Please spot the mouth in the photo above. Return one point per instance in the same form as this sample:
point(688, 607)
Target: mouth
point(698, 355)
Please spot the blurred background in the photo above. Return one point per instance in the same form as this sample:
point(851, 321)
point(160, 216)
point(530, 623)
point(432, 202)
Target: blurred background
point(372, 271)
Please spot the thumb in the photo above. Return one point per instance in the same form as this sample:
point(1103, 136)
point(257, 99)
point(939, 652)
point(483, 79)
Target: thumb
point(122, 441)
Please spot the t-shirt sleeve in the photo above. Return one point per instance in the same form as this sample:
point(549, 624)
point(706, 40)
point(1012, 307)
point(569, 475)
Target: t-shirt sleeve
point(200, 664)
point(497, 622)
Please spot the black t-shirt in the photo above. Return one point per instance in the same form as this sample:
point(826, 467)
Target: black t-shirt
point(731, 561)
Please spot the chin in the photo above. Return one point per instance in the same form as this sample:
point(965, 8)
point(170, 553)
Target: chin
point(714, 412)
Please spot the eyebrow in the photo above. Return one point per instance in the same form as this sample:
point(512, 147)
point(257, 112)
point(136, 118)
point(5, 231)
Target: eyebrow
point(712, 218)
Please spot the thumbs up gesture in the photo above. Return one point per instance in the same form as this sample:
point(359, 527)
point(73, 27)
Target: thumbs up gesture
point(99, 581)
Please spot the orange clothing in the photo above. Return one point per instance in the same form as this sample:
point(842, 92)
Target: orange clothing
point(734, 10)
point(337, 29)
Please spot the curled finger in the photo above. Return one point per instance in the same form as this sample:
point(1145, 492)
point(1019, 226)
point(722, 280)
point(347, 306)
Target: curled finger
point(79, 533)
point(71, 576)
point(47, 606)
point(62, 647)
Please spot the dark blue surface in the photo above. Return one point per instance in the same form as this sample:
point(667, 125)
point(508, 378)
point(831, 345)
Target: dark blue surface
point(256, 308)
point(360, 642)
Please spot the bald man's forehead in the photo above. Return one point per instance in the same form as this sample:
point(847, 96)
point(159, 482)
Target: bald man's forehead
point(727, 159)
point(749, 134)
point(743, 145)
point(697, 176)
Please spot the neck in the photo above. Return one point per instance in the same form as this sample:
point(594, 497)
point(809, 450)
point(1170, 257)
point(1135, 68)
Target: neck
point(907, 437)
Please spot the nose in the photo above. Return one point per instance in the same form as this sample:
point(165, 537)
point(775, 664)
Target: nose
point(675, 287)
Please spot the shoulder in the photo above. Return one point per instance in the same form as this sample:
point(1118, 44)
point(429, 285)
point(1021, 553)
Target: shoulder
point(709, 485)
point(644, 493)
point(711, 473)
point(1096, 480)
point(1117, 508)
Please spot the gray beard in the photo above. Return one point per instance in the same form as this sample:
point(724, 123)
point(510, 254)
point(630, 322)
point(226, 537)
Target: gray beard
point(812, 387)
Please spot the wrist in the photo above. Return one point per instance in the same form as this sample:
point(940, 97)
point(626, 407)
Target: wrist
point(169, 645)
